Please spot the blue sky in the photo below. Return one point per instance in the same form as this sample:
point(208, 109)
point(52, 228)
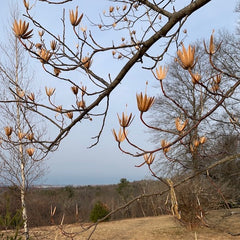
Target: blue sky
point(74, 163)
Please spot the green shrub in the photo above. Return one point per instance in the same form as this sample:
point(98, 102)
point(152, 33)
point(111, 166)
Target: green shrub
point(10, 220)
point(99, 211)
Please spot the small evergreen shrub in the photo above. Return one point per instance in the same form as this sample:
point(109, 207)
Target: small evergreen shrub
point(99, 211)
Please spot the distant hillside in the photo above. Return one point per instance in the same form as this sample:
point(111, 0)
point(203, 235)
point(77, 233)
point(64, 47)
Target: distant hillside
point(66, 199)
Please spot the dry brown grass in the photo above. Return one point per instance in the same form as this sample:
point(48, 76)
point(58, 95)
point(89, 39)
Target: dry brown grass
point(153, 228)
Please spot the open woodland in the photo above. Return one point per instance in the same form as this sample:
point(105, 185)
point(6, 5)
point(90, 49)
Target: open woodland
point(193, 155)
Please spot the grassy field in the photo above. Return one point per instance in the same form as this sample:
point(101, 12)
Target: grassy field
point(222, 227)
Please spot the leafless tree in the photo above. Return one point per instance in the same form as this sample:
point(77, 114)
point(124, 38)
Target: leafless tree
point(20, 158)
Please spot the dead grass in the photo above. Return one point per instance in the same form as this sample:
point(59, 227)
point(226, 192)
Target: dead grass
point(153, 228)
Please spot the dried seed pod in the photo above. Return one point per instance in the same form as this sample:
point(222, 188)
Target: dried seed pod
point(30, 151)
point(21, 135)
point(74, 19)
point(149, 158)
point(57, 71)
point(30, 136)
point(111, 9)
point(164, 145)
point(81, 104)
point(121, 135)
point(8, 131)
point(196, 78)
point(45, 55)
point(31, 96)
point(161, 72)
point(69, 115)
point(186, 57)
point(53, 45)
point(126, 120)
point(144, 102)
point(86, 62)
point(21, 29)
point(74, 89)
point(49, 91)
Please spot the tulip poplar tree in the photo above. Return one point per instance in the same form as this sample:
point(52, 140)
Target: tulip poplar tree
point(58, 56)
point(141, 26)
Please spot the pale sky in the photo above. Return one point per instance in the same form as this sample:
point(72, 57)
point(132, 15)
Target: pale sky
point(74, 163)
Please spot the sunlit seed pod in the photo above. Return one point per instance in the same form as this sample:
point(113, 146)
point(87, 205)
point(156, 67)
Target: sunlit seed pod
point(31, 96)
point(113, 52)
point(21, 135)
point(123, 39)
point(20, 93)
point(74, 89)
point(217, 79)
point(161, 72)
point(164, 145)
point(86, 62)
point(120, 137)
point(215, 87)
point(30, 151)
point(135, 6)
point(53, 45)
point(202, 140)
point(81, 104)
point(84, 29)
point(125, 120)
point(8, 131)
point(196, 142)
point(21, 29)
point(191, 148)
point(196, 78)
point(69, 115)
point(30, 136)
point(114, 24)
point(38, 45)
point(59, 108)
point(149, 158)
point(211, 45)
point(124, 7)
point(57, 71)
point(100, 26)
point(49, 91)
point(185, 31)
point(111, 9)
point(83, 90)
point(45, 56)
point(26, 4)
point(74, 19)
point(144, 102)
point(180, 126)
point(125, 19)
point(41, 33)
point(186, 57)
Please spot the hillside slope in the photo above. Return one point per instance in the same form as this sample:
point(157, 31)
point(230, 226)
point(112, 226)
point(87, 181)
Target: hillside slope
point(154, 228)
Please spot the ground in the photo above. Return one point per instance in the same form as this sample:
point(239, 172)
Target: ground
point(222, 226)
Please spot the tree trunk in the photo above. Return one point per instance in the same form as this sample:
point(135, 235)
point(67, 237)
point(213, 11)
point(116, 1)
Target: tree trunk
point(21, 155)
point(23, 202)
